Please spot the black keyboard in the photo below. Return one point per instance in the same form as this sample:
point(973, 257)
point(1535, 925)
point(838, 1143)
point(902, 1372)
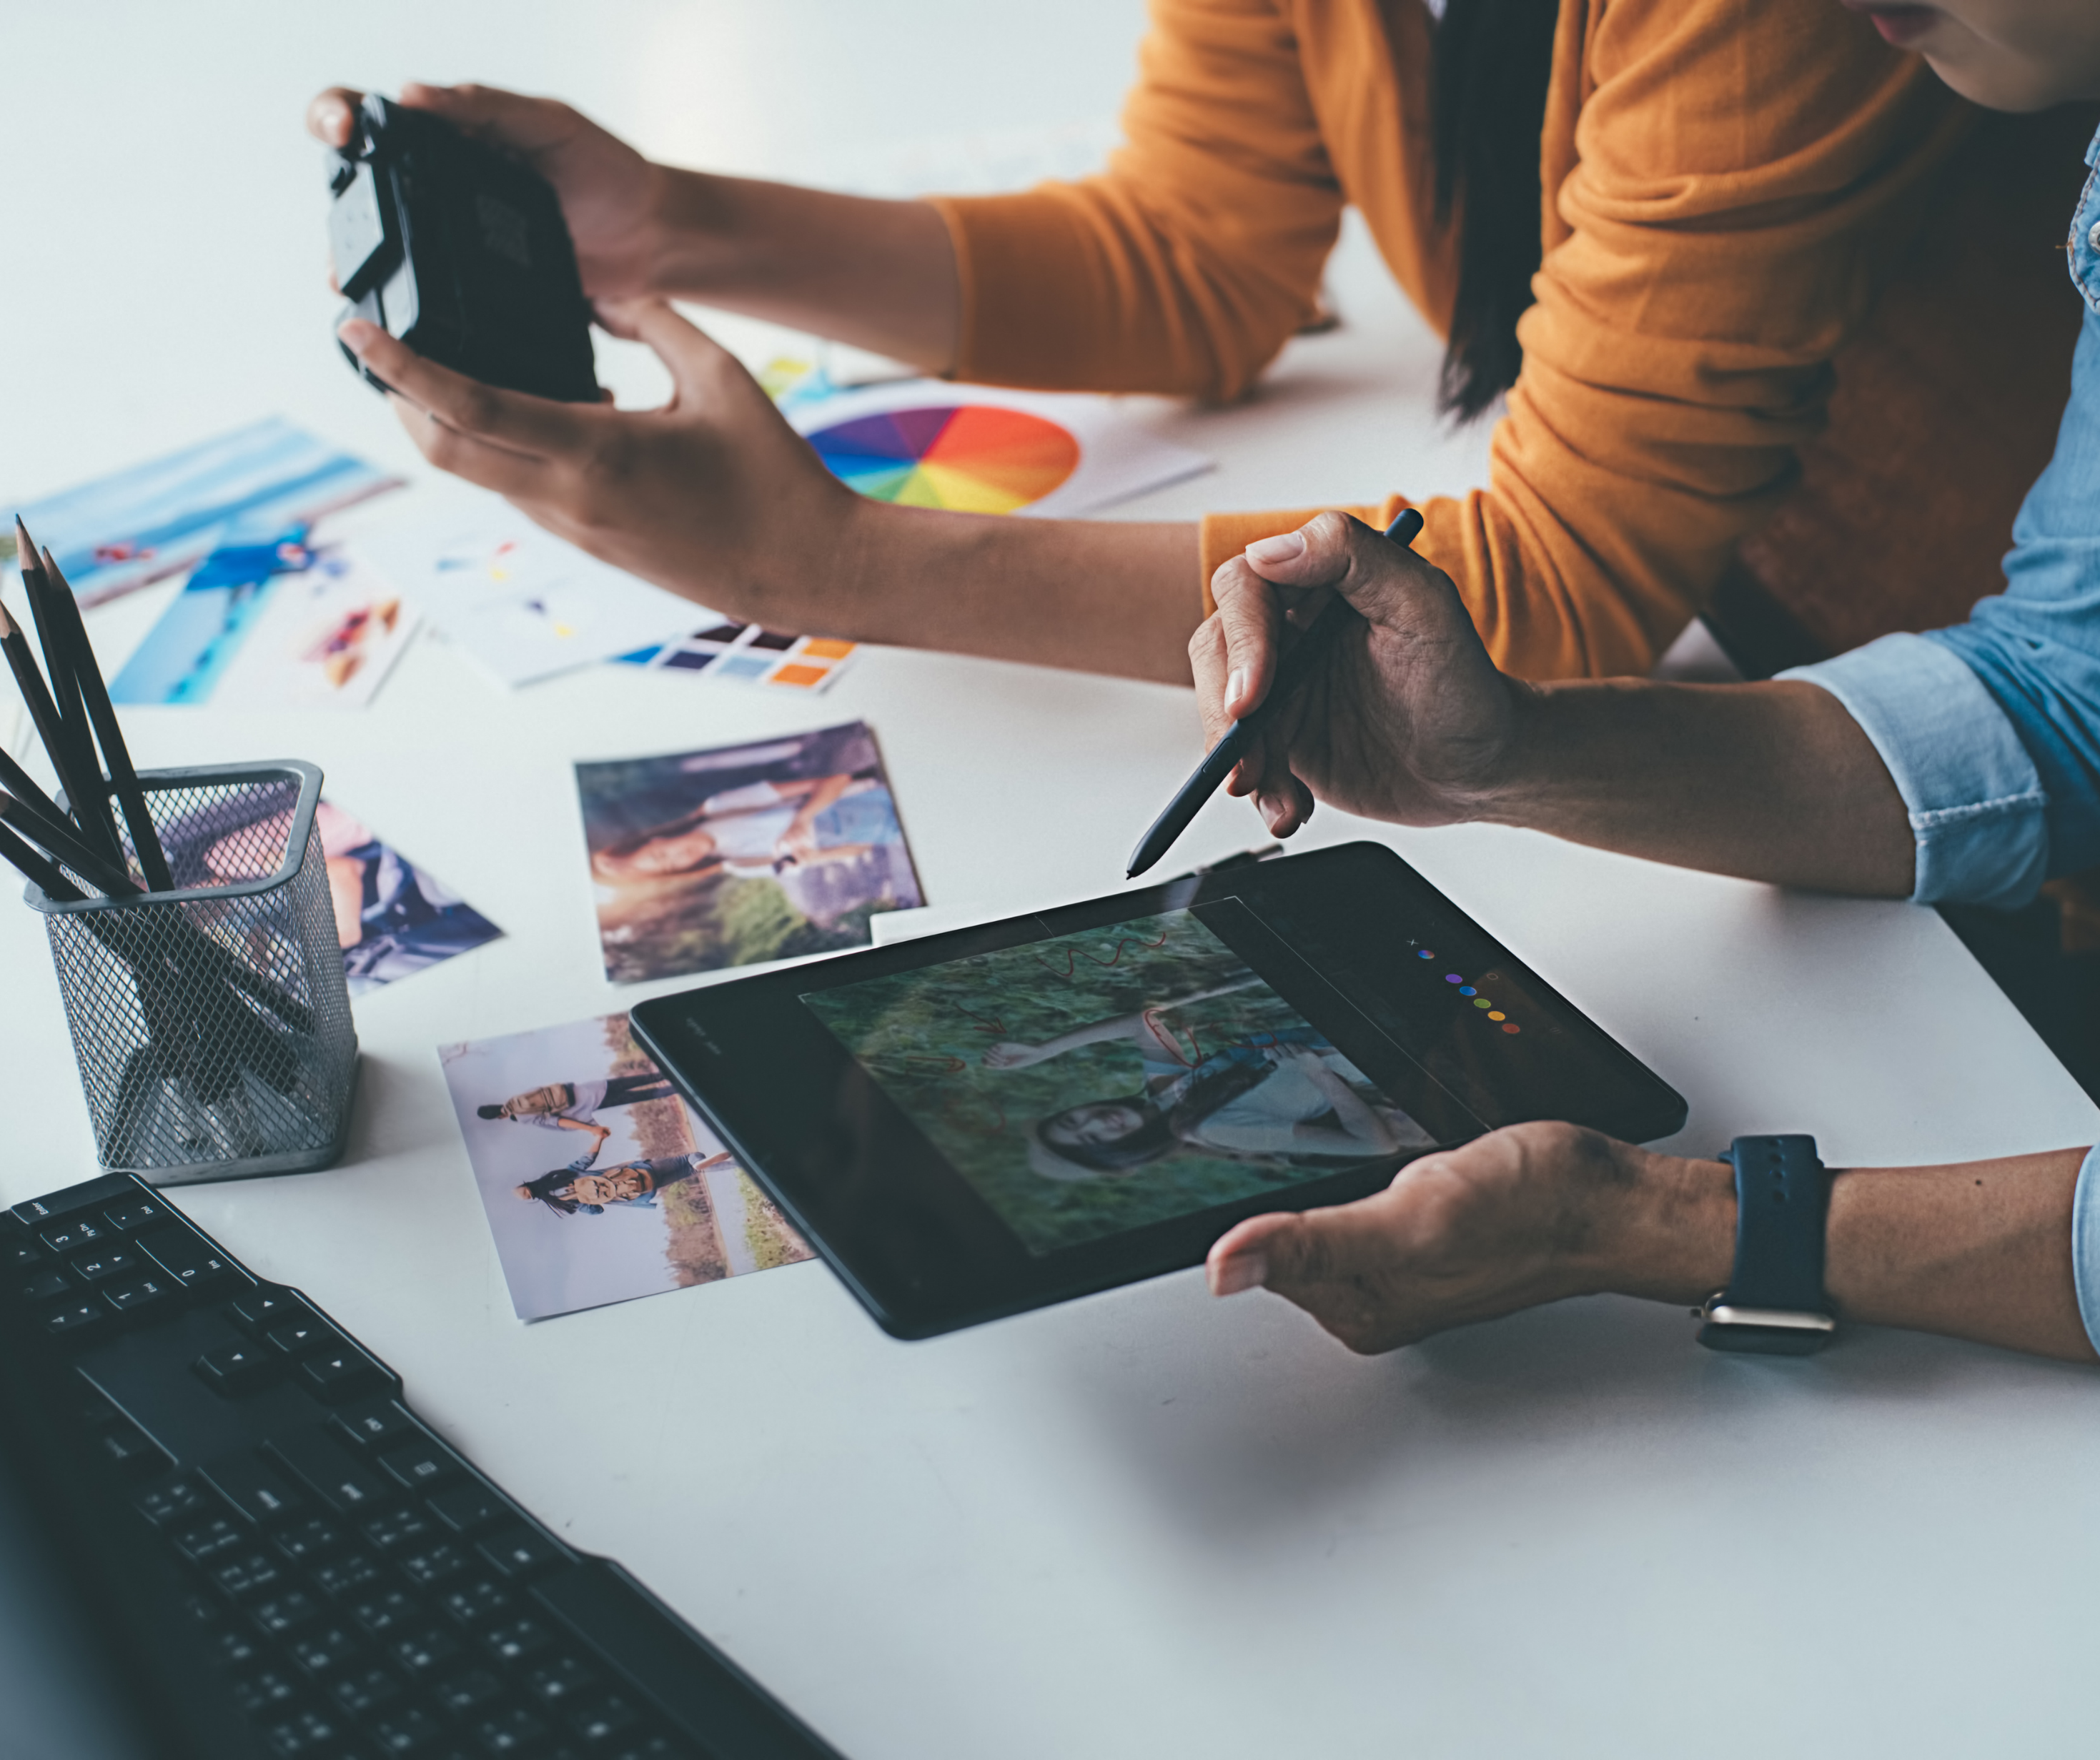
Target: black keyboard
point(366, 1591)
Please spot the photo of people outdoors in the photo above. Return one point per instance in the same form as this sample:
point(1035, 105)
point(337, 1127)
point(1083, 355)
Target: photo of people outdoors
point(748, 853)
point(599, 1183)
point(1098, 1082)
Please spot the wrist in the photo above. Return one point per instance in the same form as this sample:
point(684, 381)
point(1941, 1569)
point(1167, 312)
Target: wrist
point(1511, 780)
point(1669, 1229)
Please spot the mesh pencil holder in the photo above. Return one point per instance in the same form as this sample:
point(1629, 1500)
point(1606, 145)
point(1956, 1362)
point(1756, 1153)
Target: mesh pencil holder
point(212, 1023)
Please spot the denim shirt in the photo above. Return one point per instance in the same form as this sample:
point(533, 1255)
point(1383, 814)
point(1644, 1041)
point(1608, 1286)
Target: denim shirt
point(1992, 729)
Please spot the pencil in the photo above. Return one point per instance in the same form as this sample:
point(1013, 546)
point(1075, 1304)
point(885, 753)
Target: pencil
point(73, 756)
point(101, 714)
point(18, 782)
point(1297, 665)
point(34, 866)
point(43, 712)
point(74, 852)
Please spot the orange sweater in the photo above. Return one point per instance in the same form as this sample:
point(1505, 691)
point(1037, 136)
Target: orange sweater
point(1725, 185)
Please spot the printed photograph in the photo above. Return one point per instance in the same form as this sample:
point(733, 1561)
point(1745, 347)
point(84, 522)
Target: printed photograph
point(1099, 1082)
point(748, 853)
point(599, 1183)
point(392, 917)
point(284, 624)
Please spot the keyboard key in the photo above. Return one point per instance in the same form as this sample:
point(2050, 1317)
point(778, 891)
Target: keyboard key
point(322, 1466)
point(173, 1501)
point(105, 1263)
point(409, 1732)
point(557, 1681)
point(46, 1285)
point(18, 1252)
point(605, 1718)
point(252, 1488)
point(207, 1540)
point(376, 1423)
point(365, 1689)
point(284, 1612)
point(296, 1337)
point(340, 1374)
point(399, 1527)
point(263, 1307)
point(425, 1653)
point(236, 1648)
point(133, 1453)
point(305, 1733)
point(387, 1613)
point(146, 1292)
point(135, 1215)
point(70, 1237)
point(346, 1576)
point(323, 1650)
point(189, 1261)
point(515, 1640)
point(235, 1368)
point(520, 1552)
point(252, 1574)
point(469, 1692)
point(72, 1318)
point(510, 1732)
point(266, 1690)
point(306, 1541)
point(434, 1564)
point(466, 1508)
point(475, 1601)
point(421, 1463)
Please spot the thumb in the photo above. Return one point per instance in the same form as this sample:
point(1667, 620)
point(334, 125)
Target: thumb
point(1282, 1250)
point(696, 361)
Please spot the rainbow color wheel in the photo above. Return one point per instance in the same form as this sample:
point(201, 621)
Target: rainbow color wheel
point(969, 458)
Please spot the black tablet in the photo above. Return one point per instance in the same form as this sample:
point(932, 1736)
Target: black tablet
point(1003, 1117)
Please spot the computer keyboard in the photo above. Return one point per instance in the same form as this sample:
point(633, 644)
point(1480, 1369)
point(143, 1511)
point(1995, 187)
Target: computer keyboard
point(367, 1593)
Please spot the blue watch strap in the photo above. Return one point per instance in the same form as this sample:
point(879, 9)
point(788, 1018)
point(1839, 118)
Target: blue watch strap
point(1782, 1203)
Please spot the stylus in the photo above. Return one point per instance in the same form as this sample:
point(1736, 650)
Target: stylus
point(1291, 671)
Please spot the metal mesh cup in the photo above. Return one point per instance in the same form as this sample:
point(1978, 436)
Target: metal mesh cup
point(212, 1023)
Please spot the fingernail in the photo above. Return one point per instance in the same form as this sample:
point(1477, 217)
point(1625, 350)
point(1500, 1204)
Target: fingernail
point(1235, 686)
point(357, 334)
point(1280, 549)
point(1242, 1271)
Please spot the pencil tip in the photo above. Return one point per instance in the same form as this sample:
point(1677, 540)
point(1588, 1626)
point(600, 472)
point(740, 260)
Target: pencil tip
point(6, 624)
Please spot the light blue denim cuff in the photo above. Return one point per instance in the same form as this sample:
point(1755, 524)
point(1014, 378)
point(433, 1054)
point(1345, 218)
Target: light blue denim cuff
point(1976, 802)
point(2085, 1245)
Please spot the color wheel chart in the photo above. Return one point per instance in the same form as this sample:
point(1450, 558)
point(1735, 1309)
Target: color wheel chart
point(968, 458)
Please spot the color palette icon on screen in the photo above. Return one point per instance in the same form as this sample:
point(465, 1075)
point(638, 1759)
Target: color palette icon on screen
point(968, 458)
point(744, 653)
point(1471, 991)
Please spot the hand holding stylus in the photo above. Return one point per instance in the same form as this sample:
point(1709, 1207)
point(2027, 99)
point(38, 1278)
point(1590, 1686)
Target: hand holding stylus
point(1406, 718)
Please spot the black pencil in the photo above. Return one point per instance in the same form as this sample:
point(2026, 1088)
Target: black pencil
point(18, 782)
point(43, 712)
point(73, 756)
point(74, 850)
point(102, 715)
point(36, 866)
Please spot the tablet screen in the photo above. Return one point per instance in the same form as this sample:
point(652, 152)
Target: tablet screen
point(1089, 1084)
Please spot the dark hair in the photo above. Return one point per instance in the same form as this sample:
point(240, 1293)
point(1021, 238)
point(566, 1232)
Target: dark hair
point(1208, 1091)
point(488, 1111)
point(1489, 71)
point(552, 1189)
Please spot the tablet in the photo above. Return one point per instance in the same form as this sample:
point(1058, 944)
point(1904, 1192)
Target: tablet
point(1000, 1118)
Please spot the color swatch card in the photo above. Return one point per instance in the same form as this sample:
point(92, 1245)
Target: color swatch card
point(745, 654)
point(921, 442)
point(518, 600)
point(280, 625)
point(156, 519)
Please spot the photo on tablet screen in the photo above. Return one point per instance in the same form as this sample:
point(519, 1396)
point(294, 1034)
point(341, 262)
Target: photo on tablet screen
point(1094, 1083)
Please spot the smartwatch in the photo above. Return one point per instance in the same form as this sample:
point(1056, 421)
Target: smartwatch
point(1774, 1302)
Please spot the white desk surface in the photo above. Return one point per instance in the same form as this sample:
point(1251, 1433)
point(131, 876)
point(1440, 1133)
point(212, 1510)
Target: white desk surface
point(1144, 1524)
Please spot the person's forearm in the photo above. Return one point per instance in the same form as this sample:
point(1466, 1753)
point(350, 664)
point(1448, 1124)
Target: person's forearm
point(1978, 1250)
point(1772, 781)
point(878, 274)
point(1094, 596)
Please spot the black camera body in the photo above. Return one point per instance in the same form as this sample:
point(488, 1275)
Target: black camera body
point(462, 251)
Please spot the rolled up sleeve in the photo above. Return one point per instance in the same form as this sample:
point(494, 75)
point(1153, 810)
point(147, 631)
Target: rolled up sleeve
point(1977, 806)
point(2085, 1244)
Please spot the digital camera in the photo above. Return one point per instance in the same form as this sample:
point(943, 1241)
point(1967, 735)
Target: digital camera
point(462, 251)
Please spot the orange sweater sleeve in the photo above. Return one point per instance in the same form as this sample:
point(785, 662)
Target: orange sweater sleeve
point(1188, 264)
